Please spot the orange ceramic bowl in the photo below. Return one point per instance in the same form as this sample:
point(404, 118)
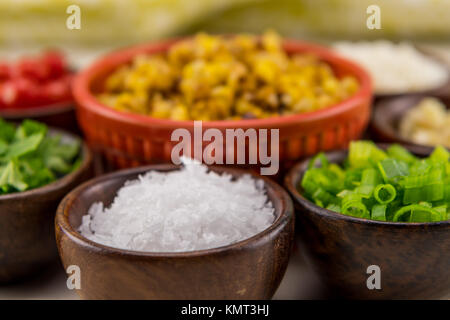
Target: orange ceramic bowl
point(127, 139)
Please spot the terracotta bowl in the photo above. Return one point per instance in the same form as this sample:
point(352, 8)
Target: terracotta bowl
point(127, 139)
point(414, 258)
point(249, 269)
point(27, 240)
point(387, 116)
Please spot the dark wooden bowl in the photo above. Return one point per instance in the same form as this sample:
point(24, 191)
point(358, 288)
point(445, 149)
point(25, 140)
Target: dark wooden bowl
point(386, 120)
point(58, 115)
point(249, 269)
point(414, 258)
point(27, 240)
point(442, 93)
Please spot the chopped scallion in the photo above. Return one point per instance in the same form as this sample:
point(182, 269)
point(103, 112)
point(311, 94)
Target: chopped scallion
point(392, 185)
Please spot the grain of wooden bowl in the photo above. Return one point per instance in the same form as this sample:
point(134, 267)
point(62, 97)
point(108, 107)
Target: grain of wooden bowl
point(414, 258)
point(127, 140)
point(249, 269)
point(27, 238)
point(58, 115)
point(387, 116)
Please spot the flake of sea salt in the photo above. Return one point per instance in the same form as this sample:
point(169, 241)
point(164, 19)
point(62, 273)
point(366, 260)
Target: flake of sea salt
point(184, 210)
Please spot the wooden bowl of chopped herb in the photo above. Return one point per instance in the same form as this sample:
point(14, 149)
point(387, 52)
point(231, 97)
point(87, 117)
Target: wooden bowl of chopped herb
point(168, 232)
point(38, 167)
point(375, 220)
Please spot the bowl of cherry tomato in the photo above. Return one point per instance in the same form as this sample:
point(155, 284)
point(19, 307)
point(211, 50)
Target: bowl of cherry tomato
point(38, 88)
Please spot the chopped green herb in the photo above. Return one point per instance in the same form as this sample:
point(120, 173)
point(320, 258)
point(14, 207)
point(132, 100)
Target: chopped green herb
point(31, 158)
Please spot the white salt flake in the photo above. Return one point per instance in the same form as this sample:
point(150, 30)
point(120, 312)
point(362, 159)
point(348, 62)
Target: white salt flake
point(184, 210)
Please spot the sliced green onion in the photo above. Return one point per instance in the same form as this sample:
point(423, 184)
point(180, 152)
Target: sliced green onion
point(426, 187)
point(308, 183)
point(403, 214)
point(424, 215)
point(384, 193)
point(323, 161)
point(442, 209)
point(386, 186)
point(330, 179)
point(340, 174)
point(420, 167)
point(352, 178)
point(426, 204)
point(319, 203)
point(324, 197)
point(379, 212)
point(344, 193)
point(416, 213)
point(440, 154)
point(392, 169)
point(334, 207)
point(369, 180)
point(399, 153)
point(364, 153)
point(355, 209)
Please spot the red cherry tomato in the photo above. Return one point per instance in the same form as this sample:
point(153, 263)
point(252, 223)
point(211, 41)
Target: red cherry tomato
point(35, 81)
point(61, 88)
point(34, 69)
point(28, 91)
point(4, 72)
point(55, 63)
point(8, 94)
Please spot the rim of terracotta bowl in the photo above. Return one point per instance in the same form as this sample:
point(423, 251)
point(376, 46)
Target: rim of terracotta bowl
point(64, 210)
point(296, 173)
point(61, 182)
point(37, 111)
point(84, 97)
point(385, 128)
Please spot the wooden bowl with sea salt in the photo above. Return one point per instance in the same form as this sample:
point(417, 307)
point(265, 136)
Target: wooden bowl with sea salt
point(247, 269)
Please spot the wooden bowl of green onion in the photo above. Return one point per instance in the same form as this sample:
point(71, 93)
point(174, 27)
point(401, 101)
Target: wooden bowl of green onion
point(374, 220)
point(38, 167)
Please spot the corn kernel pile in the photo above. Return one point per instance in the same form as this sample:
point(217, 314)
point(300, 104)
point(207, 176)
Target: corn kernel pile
point(218, 78)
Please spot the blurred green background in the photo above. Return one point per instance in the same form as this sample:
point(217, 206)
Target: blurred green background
point(107, 24)
point(126, 21)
